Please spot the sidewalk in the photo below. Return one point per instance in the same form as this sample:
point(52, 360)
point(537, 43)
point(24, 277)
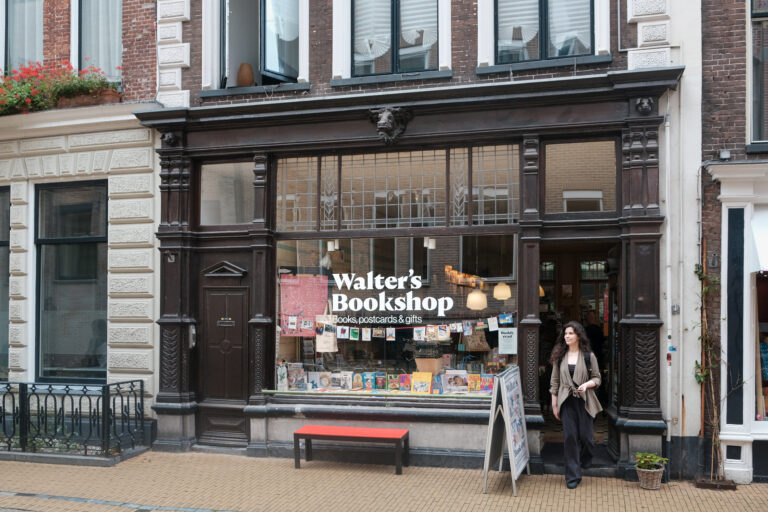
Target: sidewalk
point(192, 481)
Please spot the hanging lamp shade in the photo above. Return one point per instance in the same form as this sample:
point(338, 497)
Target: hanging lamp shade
point(477, 300)
point(541, 291)
point(502, 291)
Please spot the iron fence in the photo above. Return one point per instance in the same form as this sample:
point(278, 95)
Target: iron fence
point(82, 419)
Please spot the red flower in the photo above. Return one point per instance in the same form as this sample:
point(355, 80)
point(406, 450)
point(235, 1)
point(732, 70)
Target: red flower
point(27, 101)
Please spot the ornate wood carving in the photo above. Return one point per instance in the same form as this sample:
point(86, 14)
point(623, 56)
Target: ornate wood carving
point(258, 337)
point(530, 191)
point(640, 170)
point(175, 175)
point(260, 193)
point(390, 122)
point(647, 368)
point(169, 360)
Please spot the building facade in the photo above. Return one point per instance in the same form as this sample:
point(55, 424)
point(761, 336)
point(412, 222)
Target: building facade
point(79, 201)
point(367, 208)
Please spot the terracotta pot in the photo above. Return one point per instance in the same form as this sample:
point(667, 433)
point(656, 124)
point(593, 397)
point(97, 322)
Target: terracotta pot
point(102, 97)
point(245, 75)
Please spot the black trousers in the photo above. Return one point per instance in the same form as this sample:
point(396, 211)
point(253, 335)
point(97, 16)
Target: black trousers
point(578, 437)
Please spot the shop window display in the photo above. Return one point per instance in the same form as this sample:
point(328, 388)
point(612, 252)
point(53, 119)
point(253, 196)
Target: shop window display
point(358, 317)
point(761, 359)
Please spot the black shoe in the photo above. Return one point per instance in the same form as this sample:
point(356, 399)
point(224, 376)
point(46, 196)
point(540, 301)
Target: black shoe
point(572, 485)
point(586, 465)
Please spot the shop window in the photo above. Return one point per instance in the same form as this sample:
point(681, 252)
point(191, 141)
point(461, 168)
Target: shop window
point(398, 36)
point(759, 75)
point(226, 194)
point(580, 177)
point(372, 327)
point(262, 35)
point(5, 210)
point(490, 257)
point(761, 370)
point(297, 195)
point(23, 32)
point(71, 239)
point(495, 178)
point(543, 29)
point(101, 36)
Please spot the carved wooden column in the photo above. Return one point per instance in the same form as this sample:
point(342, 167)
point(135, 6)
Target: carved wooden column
point(263, 289)
point(528, 280)
point(175, 403)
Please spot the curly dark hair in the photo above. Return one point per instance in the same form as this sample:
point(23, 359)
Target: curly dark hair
point(560, 346)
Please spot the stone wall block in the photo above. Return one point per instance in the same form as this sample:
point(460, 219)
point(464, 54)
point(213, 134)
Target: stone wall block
point(129, 334)
point(18, 240)
point(135, 260)
point(67, 165)
point(114, 138)
point(17, 334)
point(50, 165)
point(44, 145)
point(99, 162)
point(19, 215)
point(130, 360)
point(130, 186)
point(656, 58)
point(17, 311)
point(131, 160)
point(131, 236)
point(18, 263)
point(173, 55)
point(17, 358)
point(18, 170)
point(5, 169)
point(172, 10)
point(655, 33)
point(130, 210)
point(17, 287)
point(639, 10)
point(130, 309)
point(84, 162)
point(34, 167)
point(168, 33)
point(19, 193)
point(169, 79)
point(173, 99)
point(130, 286)
point(9, 148)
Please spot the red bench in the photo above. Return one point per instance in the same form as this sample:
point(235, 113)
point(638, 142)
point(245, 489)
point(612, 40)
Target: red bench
point(398, 437)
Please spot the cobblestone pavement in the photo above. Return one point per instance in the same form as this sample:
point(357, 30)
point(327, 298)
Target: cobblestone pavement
point(214, 482)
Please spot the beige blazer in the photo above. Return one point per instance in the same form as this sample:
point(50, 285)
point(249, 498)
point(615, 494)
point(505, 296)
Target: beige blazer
point(563, 386)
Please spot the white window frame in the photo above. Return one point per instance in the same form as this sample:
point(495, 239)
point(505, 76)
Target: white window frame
point(594, 195)
point(342, 37)
point(486, 32)
point(211, 35)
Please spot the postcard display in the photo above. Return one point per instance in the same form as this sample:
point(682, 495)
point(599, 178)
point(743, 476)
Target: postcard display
point(506, 426)
point(324, 350)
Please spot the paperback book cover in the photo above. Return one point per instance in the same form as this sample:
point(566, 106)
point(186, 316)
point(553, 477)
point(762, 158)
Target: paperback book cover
point(346, 380)
point(437, 385)
point(443, 332)
point(381, 380)
point(378, 332)
point(393, 382)
point(486, 382)
point(431, 333)
point(354, 333)
point(297, 378)
point(456, 381)
point(313, 380)
point(418, 334)
point(336, 381)
point(405, 382)
point(473, 382)
point(325, 380)
point(357, 381)
point(369, 381)
point(421, 383)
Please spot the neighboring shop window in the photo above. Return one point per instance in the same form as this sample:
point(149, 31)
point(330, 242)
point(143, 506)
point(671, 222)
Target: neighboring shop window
point(24, 33)
point(580, 177)
point(402, 189)
point(71, 239)
point(226, 193)
point(101, 36)
point(565, 27)
point(762, 346)
point(358, 315)
point(398, 36)
point(5, 210)
point(759, 76)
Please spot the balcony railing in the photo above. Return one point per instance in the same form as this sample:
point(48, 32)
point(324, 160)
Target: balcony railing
point(96, 420)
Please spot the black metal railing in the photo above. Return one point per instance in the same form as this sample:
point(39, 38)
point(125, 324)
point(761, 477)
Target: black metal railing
point(79, 419)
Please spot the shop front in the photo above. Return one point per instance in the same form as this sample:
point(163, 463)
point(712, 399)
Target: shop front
point(376, 259)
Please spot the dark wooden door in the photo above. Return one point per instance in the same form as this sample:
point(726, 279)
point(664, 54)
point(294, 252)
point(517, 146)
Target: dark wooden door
point(223, 366)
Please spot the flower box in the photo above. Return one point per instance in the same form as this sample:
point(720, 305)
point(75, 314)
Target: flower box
point(100, 97)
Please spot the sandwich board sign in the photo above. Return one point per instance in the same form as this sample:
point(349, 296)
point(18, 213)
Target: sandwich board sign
point(507, 422)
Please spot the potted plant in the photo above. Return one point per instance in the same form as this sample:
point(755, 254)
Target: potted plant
point(89, 86)
point(650, 469)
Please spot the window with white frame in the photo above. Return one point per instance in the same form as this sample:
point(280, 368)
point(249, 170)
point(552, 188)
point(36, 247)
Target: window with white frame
point(543, 29)
point(100, 36)
point(23, 32)
point(397, 36)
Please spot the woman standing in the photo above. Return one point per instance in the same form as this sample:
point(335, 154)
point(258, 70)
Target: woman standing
point(575, 375)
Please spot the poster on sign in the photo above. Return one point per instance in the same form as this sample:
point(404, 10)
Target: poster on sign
point(302, 298)
point(506, 426)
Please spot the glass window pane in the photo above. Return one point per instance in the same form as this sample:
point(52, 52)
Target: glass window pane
point(418, 35)
point(226, 193)
point(73, 212)
point(24, 41)
point(281, 37)
point(372, 37)
point(240, 21)
point(570, 28)
point(375, 345)
point(73, 310)
point(101, 36)
point(761, 367)
point(393, 190)
point(488, 256)
point(517, 31)
point(759, 81)
point(329, 192)
point(459, 186)
point(580, 177)
point(296, 194)
point(495, 178)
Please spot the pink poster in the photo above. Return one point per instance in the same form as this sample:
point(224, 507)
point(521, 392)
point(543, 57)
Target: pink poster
point(302, 297)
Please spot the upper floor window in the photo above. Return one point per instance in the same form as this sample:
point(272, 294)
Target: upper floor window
point(260, 42)
point(101, 36)
point(399, 36)
point(759, 58)
point(23, 32)
point(543, 29)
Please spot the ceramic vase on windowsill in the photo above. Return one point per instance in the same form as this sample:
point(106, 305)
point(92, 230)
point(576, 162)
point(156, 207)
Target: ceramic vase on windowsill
point(100, 97)
point(245, 75)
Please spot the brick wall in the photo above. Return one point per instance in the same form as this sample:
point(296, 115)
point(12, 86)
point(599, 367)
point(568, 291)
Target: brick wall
point(139, 43)
point(580, 166)
point(463, 58)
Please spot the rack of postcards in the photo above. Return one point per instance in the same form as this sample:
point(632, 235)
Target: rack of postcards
point(454, 357)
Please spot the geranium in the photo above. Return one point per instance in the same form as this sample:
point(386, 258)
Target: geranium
point(38, 87)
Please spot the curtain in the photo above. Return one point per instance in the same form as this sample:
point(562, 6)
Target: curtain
point(372, 37)
point(281, 40)
point(418, 17)
point(570, 27)
point(101, 36)
point(24, 40)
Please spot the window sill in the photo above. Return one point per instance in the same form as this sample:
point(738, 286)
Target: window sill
point(544, 64)
point(255, 89)
point(757, 147)
point(399, 77)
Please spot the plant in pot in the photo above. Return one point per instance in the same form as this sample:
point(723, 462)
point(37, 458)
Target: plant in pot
point(89, 86)
point(650, 469)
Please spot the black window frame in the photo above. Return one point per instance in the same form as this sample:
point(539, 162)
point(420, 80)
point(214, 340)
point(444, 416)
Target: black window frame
point(759, 13)
point(5, 242)
point(543, 34)
point(272, 76)
point(39, 242)
point(394, 25)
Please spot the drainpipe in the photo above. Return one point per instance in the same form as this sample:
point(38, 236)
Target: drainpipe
point(668, 269)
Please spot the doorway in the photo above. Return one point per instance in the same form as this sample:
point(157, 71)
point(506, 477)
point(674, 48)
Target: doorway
point(578, 282)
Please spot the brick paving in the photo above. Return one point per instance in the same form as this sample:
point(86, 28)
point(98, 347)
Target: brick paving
point(215, 482)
